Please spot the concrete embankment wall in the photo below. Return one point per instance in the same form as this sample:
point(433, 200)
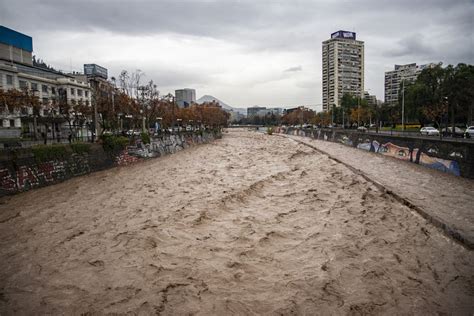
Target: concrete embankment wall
point(21, 170)
point(449, 156)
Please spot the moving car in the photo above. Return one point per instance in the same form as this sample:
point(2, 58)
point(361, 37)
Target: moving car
point(362, 129)
point(469, 132)
point(429, 131)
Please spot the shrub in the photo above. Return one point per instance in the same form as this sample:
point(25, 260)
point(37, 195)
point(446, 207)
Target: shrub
point(270, 130)
point(80, 148)
point(44, 153)
point(145, 138)
point(112, 143)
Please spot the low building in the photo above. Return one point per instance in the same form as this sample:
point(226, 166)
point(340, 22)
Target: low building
point(263, 111)
point(371, 99)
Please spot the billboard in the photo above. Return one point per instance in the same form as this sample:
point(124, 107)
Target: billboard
point(344, 34)
point(15, 39)
point(94, 70)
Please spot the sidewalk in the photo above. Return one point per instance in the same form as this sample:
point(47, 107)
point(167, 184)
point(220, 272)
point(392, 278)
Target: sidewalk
point(445, 200)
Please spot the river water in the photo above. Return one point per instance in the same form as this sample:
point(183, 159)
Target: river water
point(249, 224)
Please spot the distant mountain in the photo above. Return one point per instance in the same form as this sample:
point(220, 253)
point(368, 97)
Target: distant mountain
point(225, 106)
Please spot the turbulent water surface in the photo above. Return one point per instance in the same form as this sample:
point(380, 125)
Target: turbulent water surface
point(249, 224)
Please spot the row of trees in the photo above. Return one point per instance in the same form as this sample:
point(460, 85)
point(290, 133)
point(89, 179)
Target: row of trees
point(441, 96)
point(118, 105)
point(127, 103)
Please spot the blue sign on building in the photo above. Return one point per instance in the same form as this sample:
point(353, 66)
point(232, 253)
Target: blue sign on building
point(344, 34)
point(16, 39)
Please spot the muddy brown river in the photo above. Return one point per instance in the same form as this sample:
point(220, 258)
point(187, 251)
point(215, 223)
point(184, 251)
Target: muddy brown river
point(249, 224)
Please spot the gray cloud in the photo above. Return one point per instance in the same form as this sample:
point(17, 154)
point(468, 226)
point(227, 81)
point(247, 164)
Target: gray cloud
point(394, 32)
point(294, 69)
point(412, 45)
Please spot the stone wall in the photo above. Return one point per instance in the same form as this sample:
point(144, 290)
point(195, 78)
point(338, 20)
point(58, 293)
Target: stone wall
point(446, 155)
point(20, 170)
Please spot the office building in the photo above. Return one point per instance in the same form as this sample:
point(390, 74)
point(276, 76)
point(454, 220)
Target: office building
point(185, 97)
point(343, 68)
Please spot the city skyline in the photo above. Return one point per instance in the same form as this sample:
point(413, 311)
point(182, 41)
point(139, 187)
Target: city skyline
point(242, 52)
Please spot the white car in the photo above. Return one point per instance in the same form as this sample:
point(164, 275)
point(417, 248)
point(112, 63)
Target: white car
point(469, 132)
point(429, 131)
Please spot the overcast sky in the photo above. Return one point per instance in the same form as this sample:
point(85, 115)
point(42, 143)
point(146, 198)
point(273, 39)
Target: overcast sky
point(248, 52)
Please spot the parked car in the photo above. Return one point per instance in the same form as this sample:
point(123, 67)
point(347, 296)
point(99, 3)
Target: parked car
point(429, 131)
point(362, 129)
point(469, 132)
point(458, 132)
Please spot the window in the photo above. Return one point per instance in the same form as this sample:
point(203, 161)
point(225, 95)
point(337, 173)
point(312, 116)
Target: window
point(34, 86)
point(86, 93)
point(72, 91)
point(53, 90)
point(23, 84)
point(9, 79)
point(44, 88)
point(79, 92)
point(45, 101)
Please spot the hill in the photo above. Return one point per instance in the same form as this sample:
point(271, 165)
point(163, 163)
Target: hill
point(225, 106)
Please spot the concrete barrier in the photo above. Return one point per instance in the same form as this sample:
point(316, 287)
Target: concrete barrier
point(21, 171)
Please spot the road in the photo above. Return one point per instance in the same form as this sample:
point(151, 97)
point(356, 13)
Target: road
point(249, 224)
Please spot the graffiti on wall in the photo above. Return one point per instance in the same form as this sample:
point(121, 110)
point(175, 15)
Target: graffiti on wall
point(412, 155)
point(427, 155)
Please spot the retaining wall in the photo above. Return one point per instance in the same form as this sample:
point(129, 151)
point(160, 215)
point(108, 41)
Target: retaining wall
point(453, 157)
point(20, 170)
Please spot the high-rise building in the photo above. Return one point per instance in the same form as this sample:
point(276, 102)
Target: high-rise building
point(343, 68)
point(185, 97)
point(393, 79)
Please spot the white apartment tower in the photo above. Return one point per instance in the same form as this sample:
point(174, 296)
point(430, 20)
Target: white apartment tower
point(393, 79)
point(343, 68)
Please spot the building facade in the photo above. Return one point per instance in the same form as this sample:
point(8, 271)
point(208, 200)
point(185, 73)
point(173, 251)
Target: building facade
point(185, 97)
point(343, 68)
point(263, 111)
point(371, 99)
point(401, 73)
point(17, 72)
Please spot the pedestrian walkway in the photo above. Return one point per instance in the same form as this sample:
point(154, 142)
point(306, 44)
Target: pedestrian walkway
point(445, 200)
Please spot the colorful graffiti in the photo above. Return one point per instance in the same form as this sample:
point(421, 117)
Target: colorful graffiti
point(407, 154)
